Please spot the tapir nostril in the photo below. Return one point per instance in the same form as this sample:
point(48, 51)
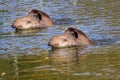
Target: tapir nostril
point(49, 44)
point(16, 26)
point(13, 26)
point(53, 45)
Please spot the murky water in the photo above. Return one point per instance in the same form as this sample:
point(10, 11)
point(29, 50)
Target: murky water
point(25, 55)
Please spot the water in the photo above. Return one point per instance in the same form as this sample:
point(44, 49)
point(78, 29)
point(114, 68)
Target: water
point(25, 55)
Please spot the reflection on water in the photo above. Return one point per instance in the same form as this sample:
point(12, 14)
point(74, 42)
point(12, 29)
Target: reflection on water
point(70, 63)
point(66, 58)
point(24, 55)
point(66, 55)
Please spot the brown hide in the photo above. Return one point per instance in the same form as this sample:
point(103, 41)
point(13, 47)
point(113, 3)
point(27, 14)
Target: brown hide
point(71, 37)
point(34, 19)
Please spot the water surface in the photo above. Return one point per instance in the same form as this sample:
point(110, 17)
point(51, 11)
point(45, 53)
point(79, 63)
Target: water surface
point(25, 55)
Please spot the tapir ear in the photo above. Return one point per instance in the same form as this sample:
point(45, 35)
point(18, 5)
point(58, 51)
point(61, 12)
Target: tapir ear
point(71, 32)
point(75, 34)
point(35, 13)
point(39, 16)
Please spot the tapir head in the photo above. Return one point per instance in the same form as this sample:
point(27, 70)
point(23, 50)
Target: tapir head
point(71, 37)
point(34, 19)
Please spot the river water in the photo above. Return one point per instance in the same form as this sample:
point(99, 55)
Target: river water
point(25, 55)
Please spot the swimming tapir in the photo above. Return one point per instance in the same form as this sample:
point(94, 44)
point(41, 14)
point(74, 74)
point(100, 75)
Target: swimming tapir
point(34, 19)
point(71, 37)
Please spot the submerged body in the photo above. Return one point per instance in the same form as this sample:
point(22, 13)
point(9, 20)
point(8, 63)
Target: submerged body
point(71, 37)
point(34, 19)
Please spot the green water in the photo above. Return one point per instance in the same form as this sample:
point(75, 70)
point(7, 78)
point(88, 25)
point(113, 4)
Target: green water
point(25, 55)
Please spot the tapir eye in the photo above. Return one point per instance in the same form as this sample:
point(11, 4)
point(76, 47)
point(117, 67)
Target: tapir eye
point(64, 40)
point(28, 21)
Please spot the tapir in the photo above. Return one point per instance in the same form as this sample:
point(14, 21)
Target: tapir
point(71, 37)
point(34, 19)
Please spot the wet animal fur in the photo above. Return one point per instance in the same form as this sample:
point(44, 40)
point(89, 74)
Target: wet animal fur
point(71, 37)
point(34, 19)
